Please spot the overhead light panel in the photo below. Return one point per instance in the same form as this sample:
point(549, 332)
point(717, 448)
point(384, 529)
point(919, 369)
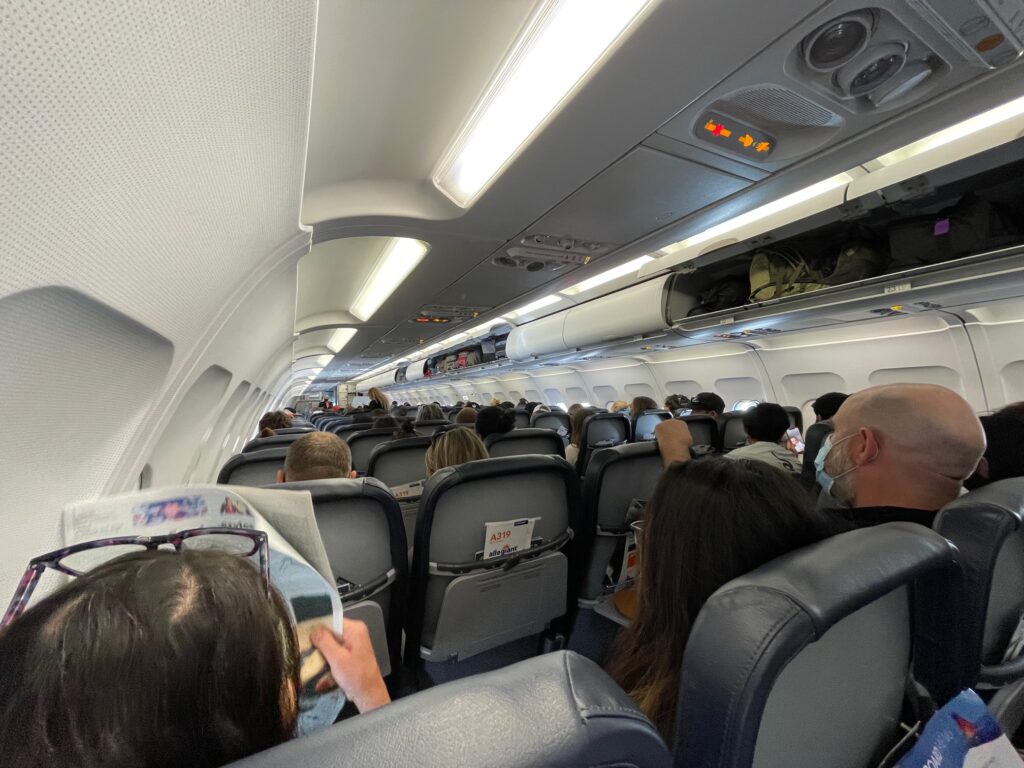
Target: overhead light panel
point(608, 275)
point(340, 338)
point(399, 258)
point(547, 301)
point(562, 41)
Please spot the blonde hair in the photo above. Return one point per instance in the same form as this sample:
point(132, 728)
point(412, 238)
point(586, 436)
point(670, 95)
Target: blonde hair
point(454, 447)
point(380, 397)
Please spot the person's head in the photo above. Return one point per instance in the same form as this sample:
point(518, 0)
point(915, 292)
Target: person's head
point(155, 658)
point(1014, 409)
point(290, 412)
point(707, 403)
point(431, 412)
point(1004, 450)
point(405, 429)
point(494, 421)
point(522, 402)
point(707, 522)
point(901, 445)
point(377, 398)
point(494, 402)
point(454, 447)
point(618, 406)
point(825, 407)
point(641, 404)
point(466, 416)
point(384, 422)
point(573, 408)
point(576, 424)
point(765, 423)
point(675, 403)
point(274, 420)
point(531, 407)
point(316, 456)
point(508, 405)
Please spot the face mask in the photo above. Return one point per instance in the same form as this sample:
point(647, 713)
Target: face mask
point(825, 480)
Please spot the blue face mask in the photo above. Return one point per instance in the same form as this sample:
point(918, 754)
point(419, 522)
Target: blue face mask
point(825, 480)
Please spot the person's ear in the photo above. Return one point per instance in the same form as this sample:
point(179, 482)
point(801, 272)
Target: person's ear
point(280, 475)
point(353, 474)
point(866, 449)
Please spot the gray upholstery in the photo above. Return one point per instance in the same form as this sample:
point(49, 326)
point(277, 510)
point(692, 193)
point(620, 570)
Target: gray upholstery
point(987, 526)
point(254, 468)
point(796, 416)
point(555, 711)
point(343, 429)
point(643, 427)
point(730, 431)
point(615, 477)
point(602, 430)
point(400, 461)
point(461, 605)
point(430, 427)
point(522, 419)
point(521, 442)
point(558, 421)
point(362, 443)
point(275, 441)
point(361, 527)
point(703, 429)
point(803, 662)
point(296, 428)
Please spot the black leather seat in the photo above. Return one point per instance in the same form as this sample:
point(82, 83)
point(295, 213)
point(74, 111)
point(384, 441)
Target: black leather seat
point(643, 427)
point(987, 526)
point(555, 711)
point(522, 419)
point(804, 661)
point(400, 461)
point(731, 433)
point(362, 530)
point(703, 429)
point(254, 468)
point(813, 440)
point(431, 426)
point(296, 428)
point(363, 441)
point(522, 442)
point(274, 441)
point(557, 421)
point(344, 429)
point(796, 416)
point(602, 430)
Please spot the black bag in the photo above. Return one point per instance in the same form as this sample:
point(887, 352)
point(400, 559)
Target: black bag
point(971, 226)
point(856, 261)
point(726, 293)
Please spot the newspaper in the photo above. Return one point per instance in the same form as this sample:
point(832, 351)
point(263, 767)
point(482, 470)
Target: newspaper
point(299, 568)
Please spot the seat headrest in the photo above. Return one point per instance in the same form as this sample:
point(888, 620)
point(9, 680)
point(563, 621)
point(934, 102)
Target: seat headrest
point(360, 434)
point(239, 460)
point(553, 711)
point(527, 433)
point(342, 488)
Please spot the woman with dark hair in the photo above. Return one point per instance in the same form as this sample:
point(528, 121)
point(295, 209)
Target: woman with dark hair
point(641, 404)
point(494, 421)
point(405, 429)
point(708, 522)
point(273, 420)
point(572, 450)
point(163, 658)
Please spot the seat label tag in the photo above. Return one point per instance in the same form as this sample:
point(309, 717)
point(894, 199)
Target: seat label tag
point(508, 536)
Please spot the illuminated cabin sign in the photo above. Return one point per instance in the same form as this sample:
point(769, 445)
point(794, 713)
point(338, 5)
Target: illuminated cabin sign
point(734, 136)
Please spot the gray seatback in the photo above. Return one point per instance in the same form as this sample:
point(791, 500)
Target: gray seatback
point(462, 605)
point(297, 427)
point(703, 429)
point(361, 527)
point(730, 431)
point(555, 711)
point(602, 430)
point(275, 441)
point(987, 526)
point(803, 662)
point(521, 442)
point(643, 427)
point(557, 421)
point(430, 427)
point(522, 419)
point(254, 468)
point(363, 442)
point(614, 478)
point(399, 461)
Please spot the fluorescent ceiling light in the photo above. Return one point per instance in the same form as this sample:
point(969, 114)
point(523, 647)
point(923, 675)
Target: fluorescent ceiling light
point(988, 119)
point(607, 276)
point(547, 301)
point(770, 209)
point(340, 338)
point(559, 45)
point(399, 257)
point(311, 362)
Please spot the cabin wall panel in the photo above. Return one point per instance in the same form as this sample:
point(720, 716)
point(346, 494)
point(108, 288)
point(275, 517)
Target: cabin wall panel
point(996, 331)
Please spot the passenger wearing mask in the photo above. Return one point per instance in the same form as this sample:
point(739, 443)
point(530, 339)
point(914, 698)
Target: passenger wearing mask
point(709, 521)
point(641, 404)
point(572, 450)
point(316, 456)
point(454, 447)
point(467, 416)
point(899, 452)
point(707, 404)
point(494, 421)
point(766, 425)
point(1004, 450)
point(824, 408)
point(163, 658)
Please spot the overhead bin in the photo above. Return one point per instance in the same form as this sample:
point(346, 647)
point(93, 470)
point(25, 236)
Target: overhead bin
point(415, 370)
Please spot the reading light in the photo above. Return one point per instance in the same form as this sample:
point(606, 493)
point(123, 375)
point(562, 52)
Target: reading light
point(988, 119)
point(399, 257)
point(561, 42)
point(547, 301)
point(606, 277)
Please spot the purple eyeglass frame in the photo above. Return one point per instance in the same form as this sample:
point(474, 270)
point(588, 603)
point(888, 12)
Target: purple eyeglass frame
point(38, 565)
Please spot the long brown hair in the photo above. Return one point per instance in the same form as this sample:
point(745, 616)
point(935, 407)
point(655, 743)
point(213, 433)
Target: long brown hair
point(454, 447)
point(576, 424)
point(708, 521)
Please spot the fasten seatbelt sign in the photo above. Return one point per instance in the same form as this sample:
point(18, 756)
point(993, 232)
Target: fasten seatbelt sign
point(508, 536)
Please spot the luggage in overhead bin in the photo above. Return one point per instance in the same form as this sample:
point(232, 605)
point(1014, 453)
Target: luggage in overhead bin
point(726, 293)
point(856, 261)
point(782, 271)
point(971, 226)
point(473, 357)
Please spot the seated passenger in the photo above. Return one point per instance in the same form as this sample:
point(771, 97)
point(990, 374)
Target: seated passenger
point(619, 406)
point(316, 456)
point(573, 408)
point(466, 416)
point(273, 420)
point(431, 412)
point(572, 450)
point(707, 404)
point(161, 658)
point(899, 452)
point(531, 407)
point(1015, 409)
point(522, 403)
point(508, 405)
point(494, 421)
point(1004, 450)
point(454, 447)
point(641, 404)
point(766, 425)
point(674, 441)
point(824, 409)
point(675, 403)
point(405, 429)
point(385, 422)
point(707, 522)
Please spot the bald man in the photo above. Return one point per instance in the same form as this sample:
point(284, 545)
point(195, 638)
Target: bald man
point(900, 452)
